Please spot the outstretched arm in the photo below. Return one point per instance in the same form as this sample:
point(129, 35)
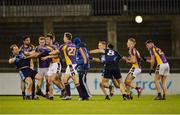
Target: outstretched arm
point(96, 59)
point(97, 51)
point(11, 60)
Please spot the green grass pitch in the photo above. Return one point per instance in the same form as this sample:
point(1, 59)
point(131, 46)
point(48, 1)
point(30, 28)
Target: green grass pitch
point(145, 104)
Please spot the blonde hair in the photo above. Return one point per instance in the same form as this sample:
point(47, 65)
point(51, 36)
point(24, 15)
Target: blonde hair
point(68, 35)
point(132, 40)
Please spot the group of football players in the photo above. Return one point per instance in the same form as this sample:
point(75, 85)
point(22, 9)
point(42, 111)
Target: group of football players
point(49, 58)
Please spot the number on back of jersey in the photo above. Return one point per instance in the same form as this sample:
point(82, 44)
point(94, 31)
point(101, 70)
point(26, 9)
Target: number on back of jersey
point(110, 53)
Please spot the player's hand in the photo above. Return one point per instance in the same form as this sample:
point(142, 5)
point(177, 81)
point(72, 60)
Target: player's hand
point(125, 58)
point(143, 58)
point(151, 71)
point(26, 53)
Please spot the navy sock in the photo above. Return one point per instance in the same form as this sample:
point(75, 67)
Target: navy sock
point(68, 91)
point(79, 90)
point(23, 93)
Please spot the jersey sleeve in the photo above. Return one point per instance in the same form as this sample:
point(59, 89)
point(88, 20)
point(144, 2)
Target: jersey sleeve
point(61, 47)
point(119, 56)
point(133, 52)
point(151, 52)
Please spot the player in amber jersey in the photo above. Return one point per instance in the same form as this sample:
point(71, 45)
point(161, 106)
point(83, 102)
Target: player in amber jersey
point(69, 51)
point(135, 60)
point(162, 68)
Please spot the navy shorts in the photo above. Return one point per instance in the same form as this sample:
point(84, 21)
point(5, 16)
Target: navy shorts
point(112, 73)
point(27, 72)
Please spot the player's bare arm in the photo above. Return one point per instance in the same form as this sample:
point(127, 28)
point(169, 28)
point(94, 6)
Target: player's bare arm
point(95, 51)
point(49, 56)
point(96, 60)
point(54, 52)
point(151, 61)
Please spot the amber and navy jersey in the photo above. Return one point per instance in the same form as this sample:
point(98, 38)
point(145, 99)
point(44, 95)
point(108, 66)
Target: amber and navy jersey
point(55, 59)
point(134, 53)
point(44, 51)
point(69, 50)
point(159, 55)
point(28, 49)
point(82, 57)
point(21, 61)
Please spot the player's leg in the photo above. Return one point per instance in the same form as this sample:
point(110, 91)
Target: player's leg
point(83, 84)
point(164, 72)
point(67, 87)
point(120, 84)
point(42, 72)
point(50, 94)
point(23, 88)
point(40, 79)
point(78, 87)
point(158, 87)
point(57, 81)
point(103, 85)
point(66, 78)
point(50, 73)
point(128, 81)
point(29, 83)
point(164, 86)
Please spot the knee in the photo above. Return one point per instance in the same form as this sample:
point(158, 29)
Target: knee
point(127, 82)
point(116, 85)
point(101, 84)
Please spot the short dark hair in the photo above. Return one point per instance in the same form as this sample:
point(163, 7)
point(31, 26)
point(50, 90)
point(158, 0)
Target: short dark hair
point(12, 46)
point(110, 46)
point(25, 37)
point(68, 35)
point(41, 38)
point(50, 35)
point(149, 41)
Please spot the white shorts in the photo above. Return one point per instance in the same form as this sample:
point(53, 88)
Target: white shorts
point(43, 71)
point(135, 71)
point(54, 68)
point(70, 70)
point(163, 69)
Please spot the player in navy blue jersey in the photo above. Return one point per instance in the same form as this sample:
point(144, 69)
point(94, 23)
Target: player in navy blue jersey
point(26, 73)
point(111, 59)
point(83, 65)
point(26, 48)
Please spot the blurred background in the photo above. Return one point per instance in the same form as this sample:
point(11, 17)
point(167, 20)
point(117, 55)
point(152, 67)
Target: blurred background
point(93, 20)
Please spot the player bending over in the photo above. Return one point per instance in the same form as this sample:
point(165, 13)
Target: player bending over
point(162, 68)
point(26, 73)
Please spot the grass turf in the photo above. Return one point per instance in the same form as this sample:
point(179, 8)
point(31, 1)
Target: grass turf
point(145, 104)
